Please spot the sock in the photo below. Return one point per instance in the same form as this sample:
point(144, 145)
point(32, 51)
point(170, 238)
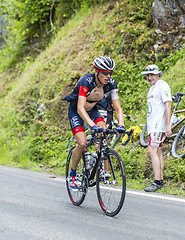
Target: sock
point(73, 173)
point(157, 182)
point(161, 181)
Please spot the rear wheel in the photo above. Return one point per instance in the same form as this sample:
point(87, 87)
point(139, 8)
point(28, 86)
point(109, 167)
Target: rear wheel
point(77, 197)
point(144, 137)
point(111, 191)
point(178, 147)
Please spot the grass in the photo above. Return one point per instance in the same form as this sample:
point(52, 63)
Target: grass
point(101, 30)
point(170, 188)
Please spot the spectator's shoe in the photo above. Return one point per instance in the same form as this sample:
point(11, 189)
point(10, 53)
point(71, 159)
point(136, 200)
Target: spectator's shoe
point(72, 184)
point(154, 187)
point(162, 184)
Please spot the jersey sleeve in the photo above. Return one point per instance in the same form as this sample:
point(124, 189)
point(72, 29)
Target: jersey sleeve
point(83, 86)
point(166, 93)
point(114, 90)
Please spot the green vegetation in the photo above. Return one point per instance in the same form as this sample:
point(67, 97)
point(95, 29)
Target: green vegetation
point(34, 123)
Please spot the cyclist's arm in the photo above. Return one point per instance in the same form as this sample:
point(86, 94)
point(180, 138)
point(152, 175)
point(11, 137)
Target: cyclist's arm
point(167, 118)
point(82, 112)
point(118, 111)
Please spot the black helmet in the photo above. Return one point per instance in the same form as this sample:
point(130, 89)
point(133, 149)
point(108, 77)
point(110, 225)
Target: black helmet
point(104, 63)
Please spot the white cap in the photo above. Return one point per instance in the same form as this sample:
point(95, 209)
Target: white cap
point(154, 69)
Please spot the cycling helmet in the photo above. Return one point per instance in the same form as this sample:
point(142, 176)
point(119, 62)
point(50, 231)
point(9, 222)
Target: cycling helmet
point(104, 63)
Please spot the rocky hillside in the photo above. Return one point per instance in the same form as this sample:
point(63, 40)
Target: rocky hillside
point(34, 123)
point(169, 19)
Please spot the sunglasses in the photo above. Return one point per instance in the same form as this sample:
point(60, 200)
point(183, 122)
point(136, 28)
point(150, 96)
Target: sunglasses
point(106, 73)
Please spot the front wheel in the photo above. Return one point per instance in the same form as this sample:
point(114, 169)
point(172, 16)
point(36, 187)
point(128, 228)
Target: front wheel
point(76, 197)
point(178, 147)
point(111, 190)
point(144, 137)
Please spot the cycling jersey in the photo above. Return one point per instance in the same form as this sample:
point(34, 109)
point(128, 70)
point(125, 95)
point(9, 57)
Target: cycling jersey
point(86, 84)
point(83, 88)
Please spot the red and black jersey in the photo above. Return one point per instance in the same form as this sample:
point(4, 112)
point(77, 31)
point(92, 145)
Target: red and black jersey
point(86, 84)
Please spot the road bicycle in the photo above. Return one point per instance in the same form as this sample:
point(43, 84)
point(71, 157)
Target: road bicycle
point(178, 144)
point(110, 189)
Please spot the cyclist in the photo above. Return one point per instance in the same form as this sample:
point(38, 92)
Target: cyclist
point(158, 122)
point(89, 90)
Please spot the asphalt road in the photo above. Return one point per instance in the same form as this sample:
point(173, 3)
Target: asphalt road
point(35, 206)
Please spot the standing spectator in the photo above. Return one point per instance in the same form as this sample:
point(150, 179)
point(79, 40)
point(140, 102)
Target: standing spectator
point(158, 122)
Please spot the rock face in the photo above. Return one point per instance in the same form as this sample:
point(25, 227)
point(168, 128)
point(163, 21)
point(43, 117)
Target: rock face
point(169, 14)
point(169, 19)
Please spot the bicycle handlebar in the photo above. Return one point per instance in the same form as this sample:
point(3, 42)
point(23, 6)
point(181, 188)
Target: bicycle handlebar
point(177, 97)
point(108, 131)
point(180, 94)
point(129, 134)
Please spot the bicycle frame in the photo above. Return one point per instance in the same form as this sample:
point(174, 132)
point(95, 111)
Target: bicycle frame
point(175, 125)
point(103, 147)
point(94, 169)
point(175, 111)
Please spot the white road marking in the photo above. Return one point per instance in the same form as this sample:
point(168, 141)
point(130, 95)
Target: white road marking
point(149, 195)
point(153, 195)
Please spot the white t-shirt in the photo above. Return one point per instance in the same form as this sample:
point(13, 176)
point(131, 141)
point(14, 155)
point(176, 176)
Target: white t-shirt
point(158, 94)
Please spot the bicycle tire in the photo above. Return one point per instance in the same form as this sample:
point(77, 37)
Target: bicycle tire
point(144, 137)
point(178, 146)
point(76, 197)
point(111, 192)
point(69, 143)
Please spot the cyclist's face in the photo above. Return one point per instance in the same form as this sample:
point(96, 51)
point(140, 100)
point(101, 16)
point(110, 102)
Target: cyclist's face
point(104, 77)
point(152, 78)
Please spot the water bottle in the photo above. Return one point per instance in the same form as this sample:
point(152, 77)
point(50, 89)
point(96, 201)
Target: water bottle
point(93, 159)
point(88, 160)
point(177, 120)
point(173, 120)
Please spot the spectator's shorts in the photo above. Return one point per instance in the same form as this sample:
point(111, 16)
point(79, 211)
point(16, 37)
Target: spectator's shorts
point(156, 139)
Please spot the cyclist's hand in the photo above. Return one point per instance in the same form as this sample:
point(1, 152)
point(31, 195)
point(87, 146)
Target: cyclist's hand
point(120, 129)
point(97, 128)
